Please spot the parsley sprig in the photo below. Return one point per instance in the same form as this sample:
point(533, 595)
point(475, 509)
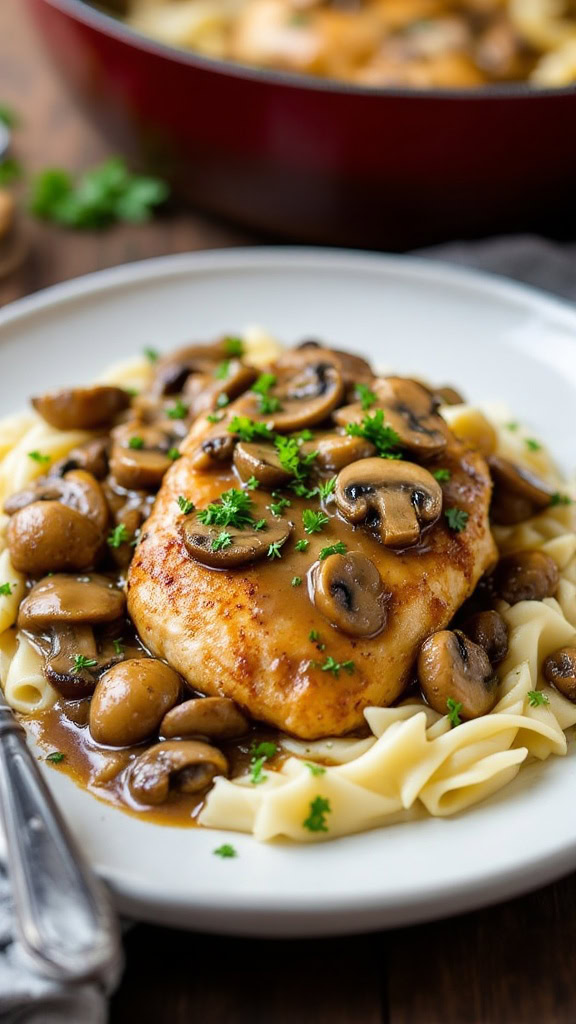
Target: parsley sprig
point(372, 428)
point(366, 396)
point(454, 709)
point(316, 820)
point(339, 548)
point(457, 519)
point(234, 508)
point(314, 522)
point(267, 403)
point(81, 662)
point(335, 667)
point(536, 698)
point(250, 430)
point(6, 589)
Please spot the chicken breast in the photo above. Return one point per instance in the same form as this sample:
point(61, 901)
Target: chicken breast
point(253, 633)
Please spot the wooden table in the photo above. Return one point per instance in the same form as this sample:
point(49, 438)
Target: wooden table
point(515, 963)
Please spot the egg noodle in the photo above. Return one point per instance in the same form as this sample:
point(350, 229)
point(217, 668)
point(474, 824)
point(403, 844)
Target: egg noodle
point(415, 761)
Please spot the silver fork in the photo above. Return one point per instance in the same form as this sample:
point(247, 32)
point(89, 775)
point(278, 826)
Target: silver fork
point(64, 918)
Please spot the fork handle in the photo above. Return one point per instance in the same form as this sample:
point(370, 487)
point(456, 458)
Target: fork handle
point(63, 915)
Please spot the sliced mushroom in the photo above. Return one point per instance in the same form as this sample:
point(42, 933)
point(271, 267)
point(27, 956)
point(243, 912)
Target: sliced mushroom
point(143, 467)
point(216, 449)
point(172, 371)
point(47, 536)
point(450, 666)
point(447, 395)
point(77, 489)
point(528, 575)
point(307, 393)
point(349, 592)
point(203, 390)
point(92, 457)
point(397, 497)
point(354, 369)
point(338, 450)
point(131, 699)
point(260, 461)
point(560, 670)
point(215, 717)
point(410, 411)
point(489, 631)
point(204, 543)
point(518, 493)
point(187, 765)
point(82, 408)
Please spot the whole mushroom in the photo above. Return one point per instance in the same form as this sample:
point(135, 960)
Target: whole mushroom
point(560, 670)
point(131, 699)
point(410, 411)
point(186, 765)
point(518, 493)
point(450, 666)
point(399, 498)
point(82, 408)
point(216, 717)
point(529, 575)
point(349, 592)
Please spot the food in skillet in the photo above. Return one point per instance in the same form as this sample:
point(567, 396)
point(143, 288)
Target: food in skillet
point(406, 43)
point(295, 598)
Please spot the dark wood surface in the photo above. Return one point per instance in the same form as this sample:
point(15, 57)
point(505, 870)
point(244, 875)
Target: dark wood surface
point(511, 964)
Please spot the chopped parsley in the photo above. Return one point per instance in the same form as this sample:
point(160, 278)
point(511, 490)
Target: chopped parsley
point(152, 355)
point(315, 637)
point(256, 773)
point(119, 535)
point(303, 435)
point(267, 403)
point(302, 491)
point(366, 396)
point(560, 499)
point(222, 401)
point(532, 445)
point(233, 346)
point(174, 454)
point(118, 646)
point(185, 505)
point(277, 507)
point(333, 549)
point(81, 662)
point(261, 752)
point(56, 757)
point(537, 698)
point(222, 371)
point(234, 508)
point(252, 484)
point(454, 709)
point(264, 749)
point(457, 519)
point(260, 525)
point(274, 551)
point(225, 851)
point(250, 430)
point(372, 428)
point(291, 458)
point(314, 522)
point(39, 457)
point(136, 442)
point(335, 667)
point(296, 581)
point(302, 545)
point(315, 769)
point(178, 411)
point(222, 541)
point(215, 417)
point(442, 475)
point(316, 820)
point(6, 589)
point(325, 490)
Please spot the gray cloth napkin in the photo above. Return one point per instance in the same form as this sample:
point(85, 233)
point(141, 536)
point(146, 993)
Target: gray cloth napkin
point(25, 998)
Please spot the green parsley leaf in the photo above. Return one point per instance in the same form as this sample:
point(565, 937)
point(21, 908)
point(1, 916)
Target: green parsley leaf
point(56, 757)
point(537, 698)
point(335, 667)
point(291, 458)
point(185, 505)
point(315, 769)
point(316, 820)
point(119, 535)
point(333, 549)
point(454, 709)
point(278, 506)
point(268, 404)
point(260, 525)
point(296, 581)
point(263, 384)
point(366, 396)
point(10, 171)
point(6, 589)
point(174, 454)
point(222, 370)
point(264, 749)
point(532, 445)
point(560, 499)
point(250, 430)
point(256, 774)
point(315, 637)
point(325, 490)
point(302, 491)
point(215, 417)
point(457, 519)
point(314, 522)
point(104, 195)
point(442, 475)
point(222, 401)
point(178, 411)
point(234, 508)
point(118, 646)
point(252, 484)
point(303, 435)
point(372, 428)
point(274, 551)
point(225, 851)
point(136, 442)
point(302, 545)
point(233, 346)
point(152, 354)
point(222, 541)
point(81, 662)
point(39, 457)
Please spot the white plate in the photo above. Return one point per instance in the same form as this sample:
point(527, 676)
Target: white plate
point(493, 339)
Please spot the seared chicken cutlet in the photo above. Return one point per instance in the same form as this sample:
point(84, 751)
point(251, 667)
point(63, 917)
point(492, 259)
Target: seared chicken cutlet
point(305, 545)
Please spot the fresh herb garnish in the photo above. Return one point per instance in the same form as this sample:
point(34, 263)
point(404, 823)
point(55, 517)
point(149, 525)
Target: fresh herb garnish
point(222, 541)
point(302, 491)
point(178, 411)
point(252, 484)
point(174, 454)
point(335, 667)
point(152, 354)
point(55, 757)
point(315, 769)
point(225, 851)
point(264, 749)
point(260, 525)
point(274, 551)
point(222, 370)
point(267, 403)
point(215, 417)
point(454, 709)
point(136, 442)
point(532, 445)
point(6, 589)
point(314, 522)
point(256, 774)
point(366, 396)
point(277, 507)
point(39, 457)
point(119, 535)
point(333, 549)
point(250, 430)
point(118, 646)
point(81, 662)
point(291, 458)
point(301, 545)
point(185, 505)
point(560, 499)
point(261, 752)
point(442, 475)
point(102, 196)
point(316, 639)
point(457, 519)
point(325, 490)
point(296, 581)
point(537, 698)
point(233, 346)
point(234, 508)
point(316, 820)
point(373, 429)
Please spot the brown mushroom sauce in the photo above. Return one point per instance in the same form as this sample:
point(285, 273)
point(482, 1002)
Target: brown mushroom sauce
point(125, 723)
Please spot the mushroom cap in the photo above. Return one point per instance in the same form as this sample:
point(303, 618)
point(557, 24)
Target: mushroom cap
point(308, 391)
point(68, 598)
point(560, 669)
point(529, 575)
point(215, 717)
point(131, 699)
point(401, 497)
point(173, 370)
point(247, 545)
point(354, 369)
point(349, 592)
point(140, 468)
point(47, 536)
point(82, 408)
point(262, 462)
point(202, 390)
point(452, 666)
point(334, 451)
point(489, 630)
point(518, 493)
point(189, 764)
point(410, 411)
point(77, 489)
